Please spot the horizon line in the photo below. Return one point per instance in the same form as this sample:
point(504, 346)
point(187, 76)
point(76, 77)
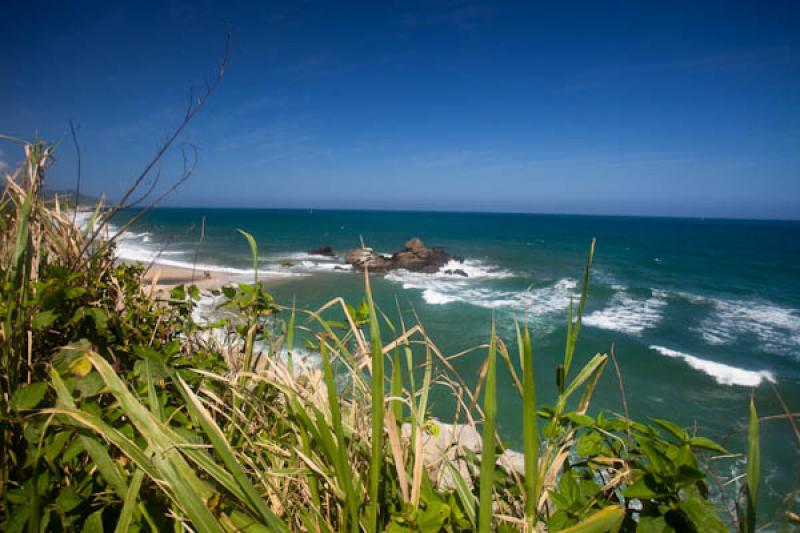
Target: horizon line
point(468, 212)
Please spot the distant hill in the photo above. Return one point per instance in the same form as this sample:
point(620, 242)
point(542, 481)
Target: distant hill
point(67, 196)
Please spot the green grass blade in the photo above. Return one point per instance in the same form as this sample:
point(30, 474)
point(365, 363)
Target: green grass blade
point(467, 498)
point(131, 500)
point(290, 340)
point(586, 372)
point(98, 453)
point(396, 390)
point(488, 458)
point(573, 330)
point(253, 250)
point(753, 468)
point(342, 463)
point(530, 437)
point(188, 491)
point(376, 455)
point(223, 449)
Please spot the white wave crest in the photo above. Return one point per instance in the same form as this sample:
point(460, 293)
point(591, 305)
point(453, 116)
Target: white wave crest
point(131, 248)
point(722, 373)
point(776, 327)
point(447, 286)
point(473, 269)
point(628, 314)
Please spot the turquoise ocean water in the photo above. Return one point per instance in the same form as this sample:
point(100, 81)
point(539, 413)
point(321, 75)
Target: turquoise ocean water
point(700, 311)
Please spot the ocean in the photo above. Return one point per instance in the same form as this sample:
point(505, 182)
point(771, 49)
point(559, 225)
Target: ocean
point(702, 312)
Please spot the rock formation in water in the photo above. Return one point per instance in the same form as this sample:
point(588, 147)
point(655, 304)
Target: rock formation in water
point(415, 257)
point(326, 251)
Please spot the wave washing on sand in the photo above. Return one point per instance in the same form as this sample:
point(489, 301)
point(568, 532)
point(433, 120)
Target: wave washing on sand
point(722, 373)
point(130, 247)
point(629, 314)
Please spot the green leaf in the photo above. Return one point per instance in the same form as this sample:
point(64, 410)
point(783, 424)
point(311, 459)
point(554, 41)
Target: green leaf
point(465, 495)
point(703, 515)
point(488, 456)
point(253, 250)
point(29, 396)
point(753, 468)
point(589, 444)
point(100, 318)
point(653, 524)
point(94, 524)
point(640, 490)
point(67, 500)
point(433, 517)
point(607, 519)
point(673, 429)
point(580, 420)
point(178, 293)
point(194, 292)
point(43, 319)
point(707, 444)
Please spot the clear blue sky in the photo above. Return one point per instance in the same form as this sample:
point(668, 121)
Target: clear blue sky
point(686, 109)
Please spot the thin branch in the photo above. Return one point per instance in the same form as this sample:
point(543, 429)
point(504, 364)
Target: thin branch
point(787, 413)
point(199, 244)
point(191, 110)
point(77, 145)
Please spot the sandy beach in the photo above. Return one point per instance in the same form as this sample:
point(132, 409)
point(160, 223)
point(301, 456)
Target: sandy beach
point(165, 277)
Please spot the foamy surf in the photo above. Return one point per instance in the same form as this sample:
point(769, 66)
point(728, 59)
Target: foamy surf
point(451, 286)
point(628, 314)
point(722, 373)
point(776, 328)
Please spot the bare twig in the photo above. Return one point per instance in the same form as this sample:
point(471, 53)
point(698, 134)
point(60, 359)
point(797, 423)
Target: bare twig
point(787, 413)
point(74, 133)
point(192, 109)
point(199, 244)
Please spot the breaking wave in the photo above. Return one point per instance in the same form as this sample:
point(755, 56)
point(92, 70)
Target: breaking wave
point(722, 373)
point(628, 314)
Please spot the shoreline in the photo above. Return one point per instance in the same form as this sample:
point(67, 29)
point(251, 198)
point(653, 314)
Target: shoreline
point(162, 278)
point(166, 277)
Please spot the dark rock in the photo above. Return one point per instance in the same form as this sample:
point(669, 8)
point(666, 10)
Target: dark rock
point(362, 258)
point(287, 264)
point(456, 272)
point(414, 256)
point(417, 257)
point(326, 251)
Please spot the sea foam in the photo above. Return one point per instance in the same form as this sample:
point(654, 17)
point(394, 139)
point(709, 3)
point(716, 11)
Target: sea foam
point(628, 314)
point(722, 373)
point(445, 287)
point(776, 328)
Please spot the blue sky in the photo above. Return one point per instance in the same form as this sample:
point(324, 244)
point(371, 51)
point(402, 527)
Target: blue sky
point(689, 109)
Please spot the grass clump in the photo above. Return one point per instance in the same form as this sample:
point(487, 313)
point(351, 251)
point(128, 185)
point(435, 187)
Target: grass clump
point(120, 412)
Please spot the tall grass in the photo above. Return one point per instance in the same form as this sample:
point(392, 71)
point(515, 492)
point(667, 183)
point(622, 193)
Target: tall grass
point(121, 412)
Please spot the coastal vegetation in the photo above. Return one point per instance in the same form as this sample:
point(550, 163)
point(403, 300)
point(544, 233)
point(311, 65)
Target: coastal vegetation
point(121, 411)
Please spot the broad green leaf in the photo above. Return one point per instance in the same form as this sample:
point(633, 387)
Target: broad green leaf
point(43, 319)
point(653, 524)
point(94, 524)
point(707, 444)
point(702, 514)
point(67, 500)
point(607, 519)
point(28, 396)
point(673, 429)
